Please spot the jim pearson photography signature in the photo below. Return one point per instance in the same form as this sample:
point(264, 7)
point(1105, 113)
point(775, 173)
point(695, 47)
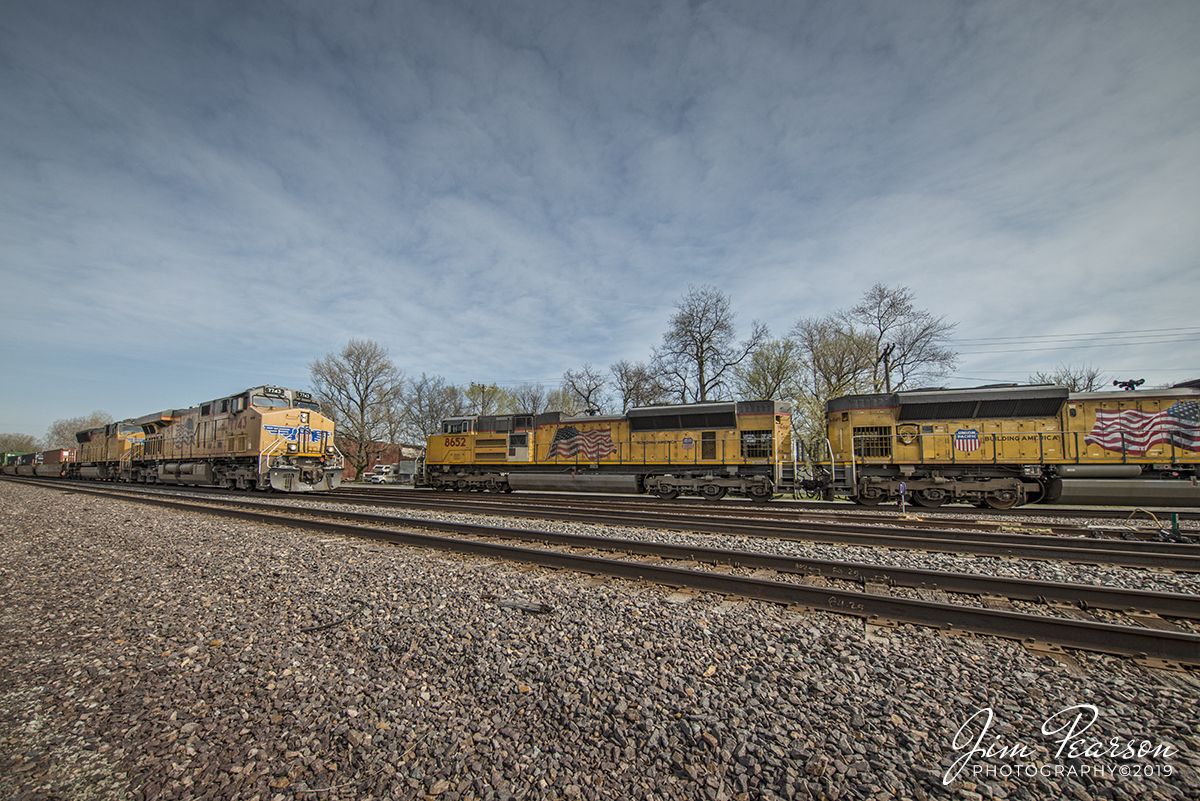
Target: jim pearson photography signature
point(1068, 726)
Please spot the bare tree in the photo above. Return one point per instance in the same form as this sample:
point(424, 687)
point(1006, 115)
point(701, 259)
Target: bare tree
point(428, 402)
point(699, 353)
point(486, 399)
point(1076, 379)
point(19, 443)
point(636, 385)
point(61, 433)
point(909, 343)
point(587, 388)
point(772, 372)
point(360, 389)
point(835, 360)
point(562, 400)
point(529, 398)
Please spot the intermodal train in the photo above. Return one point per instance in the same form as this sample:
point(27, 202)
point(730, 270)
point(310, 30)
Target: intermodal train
point(704, 449)
point(266, 437)
point(1002, 446)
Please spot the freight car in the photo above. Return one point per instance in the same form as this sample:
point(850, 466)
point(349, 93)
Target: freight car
point(263, 438)
point(706, 449)
point(47, 464)
point(1002, 446)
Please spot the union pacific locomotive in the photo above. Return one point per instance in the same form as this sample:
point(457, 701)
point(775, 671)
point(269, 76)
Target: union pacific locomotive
point(263, 438)
point(1005, 446)
point(708, 449)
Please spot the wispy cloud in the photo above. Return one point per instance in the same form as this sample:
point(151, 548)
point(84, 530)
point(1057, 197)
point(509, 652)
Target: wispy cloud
point(502, 191)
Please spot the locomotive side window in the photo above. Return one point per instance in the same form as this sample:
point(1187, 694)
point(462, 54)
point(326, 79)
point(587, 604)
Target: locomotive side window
point(873, 442)
point(456, 427)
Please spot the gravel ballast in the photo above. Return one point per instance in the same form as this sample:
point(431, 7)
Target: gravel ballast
point(155, 654)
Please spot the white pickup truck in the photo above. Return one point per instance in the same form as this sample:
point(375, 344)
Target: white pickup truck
point(383, 474)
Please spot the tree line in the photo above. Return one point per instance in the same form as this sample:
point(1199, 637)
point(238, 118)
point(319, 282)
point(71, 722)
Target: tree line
point(883, 343)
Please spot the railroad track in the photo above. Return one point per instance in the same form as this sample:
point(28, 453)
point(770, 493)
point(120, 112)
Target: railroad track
point(915, 517)
point(957, 537)
point(1165, 644)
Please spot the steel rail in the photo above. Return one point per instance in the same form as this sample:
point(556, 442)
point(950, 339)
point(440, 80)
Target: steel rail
point(701, 510)
point(1125, 553)
point(1141, 643)
point(1084, 595)
point(847, 508)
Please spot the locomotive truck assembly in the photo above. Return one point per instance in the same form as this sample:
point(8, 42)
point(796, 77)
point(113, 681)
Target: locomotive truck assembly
point(263, 438)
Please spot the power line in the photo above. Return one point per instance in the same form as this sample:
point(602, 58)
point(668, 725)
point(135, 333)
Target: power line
point(1079, 347)
point(1139, 333)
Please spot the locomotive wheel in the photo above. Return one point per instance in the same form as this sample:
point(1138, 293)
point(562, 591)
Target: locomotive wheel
point(761, 495)
point(667, 493)
point(928, 499)
point(712, 492)
point(1001, 500)
point(869, 500)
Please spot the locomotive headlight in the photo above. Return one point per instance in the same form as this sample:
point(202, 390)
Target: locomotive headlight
point(292, 447)
point(304, 418)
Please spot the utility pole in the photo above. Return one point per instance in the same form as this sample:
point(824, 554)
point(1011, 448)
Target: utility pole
point(886, 356)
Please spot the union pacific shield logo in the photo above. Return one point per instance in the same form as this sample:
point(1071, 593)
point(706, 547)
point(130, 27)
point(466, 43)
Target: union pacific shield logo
point(966, 439)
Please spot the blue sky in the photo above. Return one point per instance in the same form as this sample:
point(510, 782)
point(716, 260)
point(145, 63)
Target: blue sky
point(206, 196)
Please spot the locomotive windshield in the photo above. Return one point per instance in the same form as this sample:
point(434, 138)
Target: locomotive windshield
point(263, 402)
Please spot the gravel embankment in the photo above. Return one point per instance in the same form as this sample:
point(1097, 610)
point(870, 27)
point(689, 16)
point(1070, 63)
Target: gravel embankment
point(149, 654)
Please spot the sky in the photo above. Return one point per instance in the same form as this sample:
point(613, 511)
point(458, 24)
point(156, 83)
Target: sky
point(203, 197)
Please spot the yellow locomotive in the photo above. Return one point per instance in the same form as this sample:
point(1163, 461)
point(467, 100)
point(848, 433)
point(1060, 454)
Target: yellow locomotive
point(708, 449)
point(263, 438)
point(1008, 445)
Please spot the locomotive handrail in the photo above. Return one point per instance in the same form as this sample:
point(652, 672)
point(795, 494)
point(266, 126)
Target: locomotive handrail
point(1068, 451)
point(340, 464)
point(266, 454)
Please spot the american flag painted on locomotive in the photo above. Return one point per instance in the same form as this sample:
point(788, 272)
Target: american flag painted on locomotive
point(966, 439)
point(569, 441)
point(1136, 432)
